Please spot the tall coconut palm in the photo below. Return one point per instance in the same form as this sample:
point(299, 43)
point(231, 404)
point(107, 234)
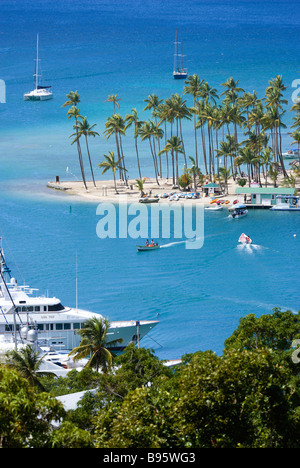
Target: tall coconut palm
point(174, 145)
point(115, 100)
point(94, 344)
point(73, 99)
point(266, 160)
point(193, 87)
point(132, 119)
point(84, 128)
point(232, 89)
point(146, 132)
point(115, 125)
point(111, 164)
point(249, 158)
point(162, 114)
point(225, 174)
point(199, 111)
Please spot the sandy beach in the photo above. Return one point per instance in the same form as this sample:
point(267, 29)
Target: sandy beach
point(105, 191)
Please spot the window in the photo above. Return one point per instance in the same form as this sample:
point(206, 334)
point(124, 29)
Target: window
point(37, 308)
point(55, 307)
point(59, 326)
point(76, 326)
point(67, 326)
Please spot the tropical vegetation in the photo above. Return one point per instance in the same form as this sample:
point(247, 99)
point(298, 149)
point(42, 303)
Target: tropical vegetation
point(247, 397)
point(236, 133)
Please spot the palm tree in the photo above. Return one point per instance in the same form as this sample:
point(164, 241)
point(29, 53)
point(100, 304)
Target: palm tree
point(114, 99)
point(195, 171)
point(140, 185)
point(225, 174)
point(94, 344)
point(73, 100)
point(115, 125)
point(27, 362)
point(133, 119)
point(110, 164)
point(248, 157)
point(84, 128)
point(232, 89)
point(174, 145)
point(266, 160)
point(193, 87)
point(296, 136)
point(147, 130)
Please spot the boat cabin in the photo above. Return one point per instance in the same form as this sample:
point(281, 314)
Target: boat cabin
point(263, 196)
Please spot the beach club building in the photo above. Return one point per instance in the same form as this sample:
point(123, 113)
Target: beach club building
point(260, 197)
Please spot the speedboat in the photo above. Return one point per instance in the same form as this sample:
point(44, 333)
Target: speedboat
point(147, 248)
point(244, 239)
point(56, 324)
point(291, 153)
point(239, 210)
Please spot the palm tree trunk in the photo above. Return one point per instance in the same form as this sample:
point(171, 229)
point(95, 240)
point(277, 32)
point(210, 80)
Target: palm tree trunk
point(81, 160)
point(89, 156)
point(137, 157)
point(154, 162)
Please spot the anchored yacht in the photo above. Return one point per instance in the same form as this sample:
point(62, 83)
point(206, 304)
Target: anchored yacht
point(56, 325)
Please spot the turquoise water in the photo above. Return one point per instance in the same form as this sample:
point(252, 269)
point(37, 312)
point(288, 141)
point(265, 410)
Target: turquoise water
point(126, 48)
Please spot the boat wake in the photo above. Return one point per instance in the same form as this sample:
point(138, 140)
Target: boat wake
point(172, 244)
point(249, 248)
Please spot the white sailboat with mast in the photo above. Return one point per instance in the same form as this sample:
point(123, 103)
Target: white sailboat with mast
point(39, 93)
point(179, 72)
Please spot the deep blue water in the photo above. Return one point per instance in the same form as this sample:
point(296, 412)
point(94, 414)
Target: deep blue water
point(126, 48)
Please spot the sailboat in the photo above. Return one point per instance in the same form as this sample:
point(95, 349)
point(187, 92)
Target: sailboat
point(39, 93)
point(179, 72)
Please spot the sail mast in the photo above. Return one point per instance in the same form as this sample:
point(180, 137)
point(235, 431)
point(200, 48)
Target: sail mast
point(177, 47)
point(37, 62)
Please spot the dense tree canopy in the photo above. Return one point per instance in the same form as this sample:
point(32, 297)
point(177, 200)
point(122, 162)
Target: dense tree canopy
point(247, 397)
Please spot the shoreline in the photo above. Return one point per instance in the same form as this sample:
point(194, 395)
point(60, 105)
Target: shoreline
point(105, 191)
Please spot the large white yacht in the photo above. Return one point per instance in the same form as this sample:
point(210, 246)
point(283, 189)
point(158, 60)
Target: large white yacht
point(56, 325)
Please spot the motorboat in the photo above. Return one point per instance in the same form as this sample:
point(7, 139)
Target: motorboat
point(217, 207)
point(291, 153)
point(39, 93)
point(244, 239)
point(286, 203)
point(148, 200)
point(147, 248)
point(57, 325)
point(239, 211)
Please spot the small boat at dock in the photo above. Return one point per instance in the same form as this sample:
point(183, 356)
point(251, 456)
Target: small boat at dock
point(287, 203)
point(148, 200)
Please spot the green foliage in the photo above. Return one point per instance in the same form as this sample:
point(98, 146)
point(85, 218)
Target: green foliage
point(184, 180)
point(25, 415)
point(248, 397)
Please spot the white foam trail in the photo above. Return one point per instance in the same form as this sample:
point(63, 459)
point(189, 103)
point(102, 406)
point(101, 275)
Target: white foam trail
point(171, 244)
point(249, 248)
